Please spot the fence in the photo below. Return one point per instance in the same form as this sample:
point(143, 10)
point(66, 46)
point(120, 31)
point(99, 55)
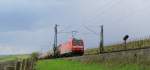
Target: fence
point(24, 64)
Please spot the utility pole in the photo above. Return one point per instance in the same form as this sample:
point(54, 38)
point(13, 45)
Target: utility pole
point(55, 39)
point(101, 46)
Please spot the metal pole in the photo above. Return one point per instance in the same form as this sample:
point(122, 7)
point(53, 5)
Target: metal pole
point(55, 39)
point(101, 47)
point(125, 45)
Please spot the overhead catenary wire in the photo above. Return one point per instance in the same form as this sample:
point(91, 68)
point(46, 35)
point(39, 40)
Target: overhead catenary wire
point(103, 11)
point(123, 18)
point(90, 30)
point(106, 7)
point(63, 30)
point(120, 19)
point(130, 14)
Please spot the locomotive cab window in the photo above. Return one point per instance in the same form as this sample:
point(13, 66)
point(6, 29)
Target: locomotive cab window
point(77, 42)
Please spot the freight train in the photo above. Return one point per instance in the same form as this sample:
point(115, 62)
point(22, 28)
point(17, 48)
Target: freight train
point(73, 47)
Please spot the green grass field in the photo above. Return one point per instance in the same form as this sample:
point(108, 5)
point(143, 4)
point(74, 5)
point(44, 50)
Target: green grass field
point(7, 58)
point(13, 57)
point(59, 64)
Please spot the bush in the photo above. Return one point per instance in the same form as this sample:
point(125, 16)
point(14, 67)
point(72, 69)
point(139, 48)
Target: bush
point(35, 55)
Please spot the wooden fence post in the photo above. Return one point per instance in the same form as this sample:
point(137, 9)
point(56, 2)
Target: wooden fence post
point(18, 65)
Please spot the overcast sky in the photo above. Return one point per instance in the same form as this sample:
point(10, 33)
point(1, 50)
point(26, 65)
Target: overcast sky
point(27, 25)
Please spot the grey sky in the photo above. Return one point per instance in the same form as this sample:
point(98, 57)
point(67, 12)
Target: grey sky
point(27, 25)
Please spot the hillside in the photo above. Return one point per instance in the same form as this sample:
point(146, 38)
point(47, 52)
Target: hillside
point(143, 43)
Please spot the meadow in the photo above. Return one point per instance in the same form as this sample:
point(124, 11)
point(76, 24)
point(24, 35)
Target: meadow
point(60, 64)
point(6, 58)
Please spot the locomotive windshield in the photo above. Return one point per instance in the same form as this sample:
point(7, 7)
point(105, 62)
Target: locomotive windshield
point(77, 42)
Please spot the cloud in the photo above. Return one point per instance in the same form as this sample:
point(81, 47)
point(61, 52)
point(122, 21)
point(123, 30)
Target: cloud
point(23, 14)
point(9, 49)
point(118, 17)
point(28, 25)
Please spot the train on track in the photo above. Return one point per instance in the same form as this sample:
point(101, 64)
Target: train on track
point(73, 47)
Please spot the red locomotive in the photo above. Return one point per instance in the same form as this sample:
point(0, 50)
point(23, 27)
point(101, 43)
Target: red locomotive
point(72, 47)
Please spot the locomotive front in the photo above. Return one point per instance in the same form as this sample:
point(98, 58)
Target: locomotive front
point(77, 46)
point(72, 47)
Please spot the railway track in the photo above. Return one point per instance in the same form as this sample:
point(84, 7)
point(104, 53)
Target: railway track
point(131, 55)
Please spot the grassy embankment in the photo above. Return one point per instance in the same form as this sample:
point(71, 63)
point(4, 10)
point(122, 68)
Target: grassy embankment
point(59, 64)
point(130, 45)
point(74, 65)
